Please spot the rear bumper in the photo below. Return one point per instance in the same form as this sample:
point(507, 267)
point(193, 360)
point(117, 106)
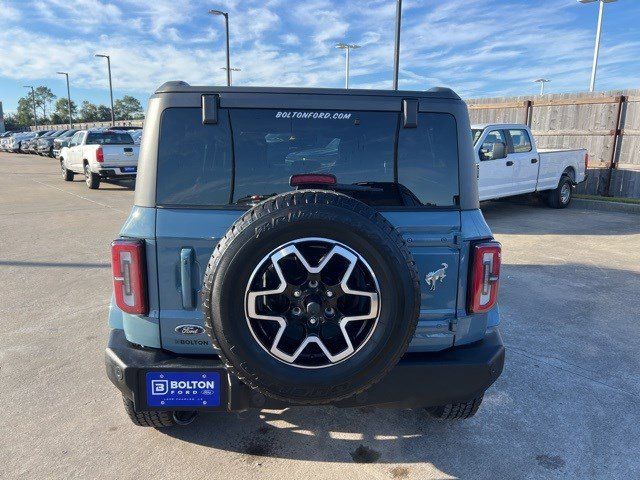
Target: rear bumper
point(115, 172)
point(419, 379)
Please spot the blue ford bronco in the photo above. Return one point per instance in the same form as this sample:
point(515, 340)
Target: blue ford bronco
point(304, 247)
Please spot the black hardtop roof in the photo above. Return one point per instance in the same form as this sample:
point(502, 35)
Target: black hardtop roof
point(184, 87)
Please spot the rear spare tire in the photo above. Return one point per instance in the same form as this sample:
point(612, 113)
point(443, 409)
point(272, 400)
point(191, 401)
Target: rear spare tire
point(311, 297)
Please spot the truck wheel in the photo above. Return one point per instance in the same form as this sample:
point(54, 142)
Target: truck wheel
point(92, 180)
point(456, 411)
point(67, 175)
point(561, 196)
point(311, 297)
point(157, 418)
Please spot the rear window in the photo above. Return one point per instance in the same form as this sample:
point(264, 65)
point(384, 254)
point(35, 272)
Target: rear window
point(109, 138)
point(255, 151)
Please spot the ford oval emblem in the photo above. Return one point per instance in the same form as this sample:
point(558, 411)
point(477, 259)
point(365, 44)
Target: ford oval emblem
point(189, 329)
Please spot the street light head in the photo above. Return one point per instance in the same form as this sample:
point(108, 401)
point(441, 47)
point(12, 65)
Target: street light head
point(62, 73)
point(343, 45)
point(27, 86)
point(592, 1)
point(541, 80)
point(101, 55)
point(218, 12)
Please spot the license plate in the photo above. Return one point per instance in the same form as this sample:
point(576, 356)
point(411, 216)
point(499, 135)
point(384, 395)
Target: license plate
point(128, 169)
point(183, 389)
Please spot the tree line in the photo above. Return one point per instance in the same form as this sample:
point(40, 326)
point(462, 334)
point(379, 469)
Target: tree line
point(51, 111)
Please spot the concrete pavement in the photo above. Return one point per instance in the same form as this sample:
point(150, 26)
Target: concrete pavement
point(566, 405)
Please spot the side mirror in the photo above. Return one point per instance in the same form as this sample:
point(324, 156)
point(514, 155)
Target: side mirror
point(499, 151)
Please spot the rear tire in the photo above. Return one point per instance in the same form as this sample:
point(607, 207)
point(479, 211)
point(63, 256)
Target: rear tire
point(456, 411)
point(157, 418)
point(561, 196)
point(91, 179)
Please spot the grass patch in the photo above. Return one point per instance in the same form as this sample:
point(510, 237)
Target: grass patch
point(635, 201)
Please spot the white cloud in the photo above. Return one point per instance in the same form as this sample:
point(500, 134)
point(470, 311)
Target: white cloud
point(474, 46)
point(290, 39)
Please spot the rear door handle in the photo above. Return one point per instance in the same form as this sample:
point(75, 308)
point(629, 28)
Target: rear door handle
point(534, 160)
point(509, 163)
point(186, 282)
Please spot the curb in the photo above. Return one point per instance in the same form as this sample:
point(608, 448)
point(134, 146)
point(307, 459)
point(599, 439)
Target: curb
point(605, 206)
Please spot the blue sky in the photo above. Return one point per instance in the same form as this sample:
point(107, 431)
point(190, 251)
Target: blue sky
point(478, 47)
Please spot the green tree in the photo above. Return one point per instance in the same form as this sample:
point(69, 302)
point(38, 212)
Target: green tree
point(88, 112)
point(24, 112)
point(104, 113)
point(127, 108)
point(44, 97)
point(11, 122)
point(61, 113)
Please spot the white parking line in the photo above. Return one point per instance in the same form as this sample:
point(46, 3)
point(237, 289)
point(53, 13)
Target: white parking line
point(79, 196)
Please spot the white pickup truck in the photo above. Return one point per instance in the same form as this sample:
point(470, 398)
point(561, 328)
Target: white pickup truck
point(509, 164)
point(99, 154)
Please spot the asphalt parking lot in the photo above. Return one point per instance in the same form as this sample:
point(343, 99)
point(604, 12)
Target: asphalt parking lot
point(567, 404)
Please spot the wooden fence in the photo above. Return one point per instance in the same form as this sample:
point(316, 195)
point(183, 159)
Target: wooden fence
point(606, 124)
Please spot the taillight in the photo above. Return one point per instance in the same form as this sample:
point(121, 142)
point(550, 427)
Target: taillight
point(129, 279)
point(99, 155)
point(485, 276)
point(586, 161)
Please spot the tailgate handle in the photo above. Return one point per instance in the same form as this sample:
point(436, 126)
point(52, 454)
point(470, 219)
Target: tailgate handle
point(186, 283)
point(534, 160)
point(128, 149)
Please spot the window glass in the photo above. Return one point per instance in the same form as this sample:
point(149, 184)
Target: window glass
point(521, 141)
point(109, 138)
point(272, 145)
point(493, 137)
point(475, 134)
point(194, 160)
point(428, 159)
point(75, 140)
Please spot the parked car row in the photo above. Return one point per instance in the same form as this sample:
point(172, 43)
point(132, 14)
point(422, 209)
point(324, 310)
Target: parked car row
point(98, 153)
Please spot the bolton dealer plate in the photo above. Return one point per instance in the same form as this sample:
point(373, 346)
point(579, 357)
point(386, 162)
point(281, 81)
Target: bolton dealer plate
point(183, 389)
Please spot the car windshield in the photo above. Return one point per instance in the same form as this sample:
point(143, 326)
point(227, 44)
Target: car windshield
point(109, 138)
point(254, 152)
point(475, 134)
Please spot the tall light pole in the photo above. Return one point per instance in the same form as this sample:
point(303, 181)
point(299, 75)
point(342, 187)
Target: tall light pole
point(226, 26)
point(113, 118)
point(396, 51)
point(347, 47)
point(33, 98)
point(541, 81)
point(596, 50)
point(233, 70)
point(68, 98)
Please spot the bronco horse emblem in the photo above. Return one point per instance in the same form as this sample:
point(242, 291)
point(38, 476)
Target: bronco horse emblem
point(433, 277)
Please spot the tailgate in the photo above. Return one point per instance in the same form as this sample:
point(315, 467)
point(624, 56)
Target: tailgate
point(188, 237)
point(120, 155)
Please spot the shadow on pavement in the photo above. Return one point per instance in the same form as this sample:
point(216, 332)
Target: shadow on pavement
point(530, 216)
